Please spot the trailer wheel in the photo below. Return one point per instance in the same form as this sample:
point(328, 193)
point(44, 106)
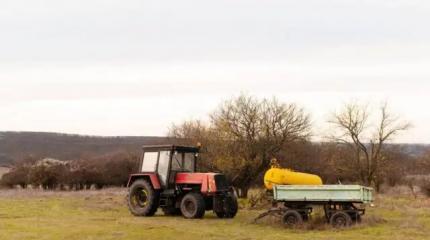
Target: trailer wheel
point(292, 218)
point(193, 206)
point(340, 220)
point(142, 199)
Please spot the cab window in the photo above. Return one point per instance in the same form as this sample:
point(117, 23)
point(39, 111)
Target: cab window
point(149, 161)
point(163, 167)
point(183, 161)
point(189, 161)
point(177, 161)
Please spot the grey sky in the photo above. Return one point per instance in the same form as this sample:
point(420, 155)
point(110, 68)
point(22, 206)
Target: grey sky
point(119, 67)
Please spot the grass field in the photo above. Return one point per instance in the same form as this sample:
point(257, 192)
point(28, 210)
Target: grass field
point(27, 214)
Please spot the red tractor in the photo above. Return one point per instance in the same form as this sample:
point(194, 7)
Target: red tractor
point(168, 180)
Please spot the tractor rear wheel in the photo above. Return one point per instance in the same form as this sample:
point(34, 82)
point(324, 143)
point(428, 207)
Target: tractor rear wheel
point(142, 198)
point(193, 206)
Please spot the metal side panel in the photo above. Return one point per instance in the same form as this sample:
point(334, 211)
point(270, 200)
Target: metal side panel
point(323, 193)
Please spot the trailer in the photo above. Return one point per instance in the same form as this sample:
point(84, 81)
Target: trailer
point(294, 203)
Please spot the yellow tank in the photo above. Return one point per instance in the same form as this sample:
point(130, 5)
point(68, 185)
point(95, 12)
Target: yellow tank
point(281, 176)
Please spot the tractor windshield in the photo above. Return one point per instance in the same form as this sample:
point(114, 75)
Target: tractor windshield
point(183, 161)
point(189, 161)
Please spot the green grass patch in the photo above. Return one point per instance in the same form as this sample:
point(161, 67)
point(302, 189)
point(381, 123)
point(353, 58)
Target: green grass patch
point(104, 215)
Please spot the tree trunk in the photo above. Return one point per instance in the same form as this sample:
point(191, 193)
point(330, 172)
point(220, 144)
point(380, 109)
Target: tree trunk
point(369, 180)
point(378, 183)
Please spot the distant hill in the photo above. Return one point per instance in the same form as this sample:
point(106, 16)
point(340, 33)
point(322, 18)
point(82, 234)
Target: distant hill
point(17, 145)
point(415, 150)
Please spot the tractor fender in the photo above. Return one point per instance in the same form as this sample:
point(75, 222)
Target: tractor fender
point(151, 177)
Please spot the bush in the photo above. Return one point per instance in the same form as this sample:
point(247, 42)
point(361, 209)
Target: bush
point(16, 177)
point(258, 199)
point(425, 187)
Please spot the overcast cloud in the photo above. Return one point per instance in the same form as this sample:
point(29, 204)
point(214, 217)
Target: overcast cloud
point(134, 67)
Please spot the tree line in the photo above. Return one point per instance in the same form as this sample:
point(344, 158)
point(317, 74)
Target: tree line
point(97, 172)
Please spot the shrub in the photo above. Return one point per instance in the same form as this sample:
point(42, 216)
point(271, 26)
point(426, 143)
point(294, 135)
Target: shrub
point(16, 177)
point(425, 187)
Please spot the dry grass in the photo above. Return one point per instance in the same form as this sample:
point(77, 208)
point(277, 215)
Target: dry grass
point(38, 193)
point(35, 214)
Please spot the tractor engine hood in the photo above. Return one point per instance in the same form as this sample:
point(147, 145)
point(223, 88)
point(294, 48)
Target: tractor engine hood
point(210, 182)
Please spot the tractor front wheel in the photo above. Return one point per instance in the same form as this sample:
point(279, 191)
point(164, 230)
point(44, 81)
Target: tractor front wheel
point(229, 207)
point(142, 199)
point(193, 206)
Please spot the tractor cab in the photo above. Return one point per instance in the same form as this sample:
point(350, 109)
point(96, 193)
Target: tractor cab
point(168, 160)
point(167, 178)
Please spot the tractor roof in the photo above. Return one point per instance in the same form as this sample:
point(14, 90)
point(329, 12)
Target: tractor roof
point(170, 147)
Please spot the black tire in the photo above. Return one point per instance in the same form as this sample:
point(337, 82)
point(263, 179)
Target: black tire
point(142, 198)
point(230, 207)
point(193, 206)
point(340, 220)
point(292, 218)
point(171, 211)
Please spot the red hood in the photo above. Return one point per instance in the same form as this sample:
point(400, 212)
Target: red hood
point(206, 180)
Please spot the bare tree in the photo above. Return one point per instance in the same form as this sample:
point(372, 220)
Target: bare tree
point(194, 132)
point(245, 133)
point(355, 130)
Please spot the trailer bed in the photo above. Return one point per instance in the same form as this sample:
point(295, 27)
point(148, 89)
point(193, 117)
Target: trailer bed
point(323, 193)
